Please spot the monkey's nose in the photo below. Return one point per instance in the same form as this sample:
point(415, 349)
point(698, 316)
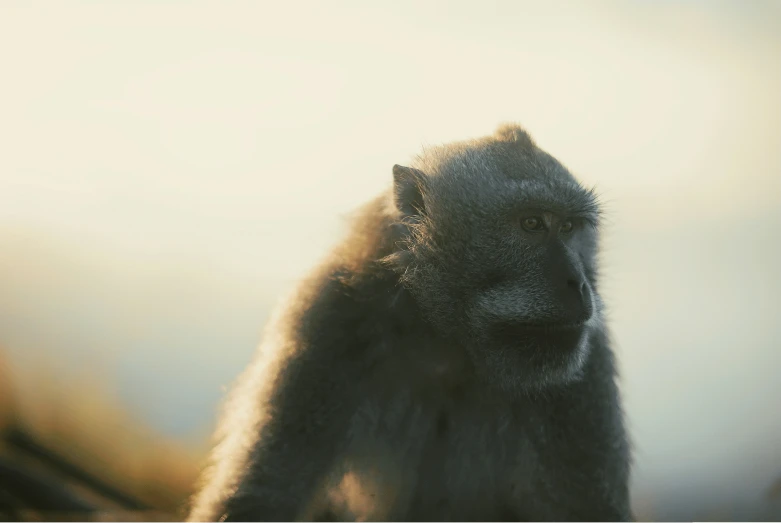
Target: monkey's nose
point(576, 300)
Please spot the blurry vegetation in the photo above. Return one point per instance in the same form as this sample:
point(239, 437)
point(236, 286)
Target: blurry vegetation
point(7, 410)
point(81, 422)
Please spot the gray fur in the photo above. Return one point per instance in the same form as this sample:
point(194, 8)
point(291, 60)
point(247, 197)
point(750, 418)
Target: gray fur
point(444, 363)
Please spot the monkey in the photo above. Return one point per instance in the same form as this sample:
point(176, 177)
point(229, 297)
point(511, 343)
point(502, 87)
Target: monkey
point(448, 360)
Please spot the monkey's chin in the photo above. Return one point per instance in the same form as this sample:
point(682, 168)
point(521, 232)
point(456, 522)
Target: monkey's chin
point(526, 357)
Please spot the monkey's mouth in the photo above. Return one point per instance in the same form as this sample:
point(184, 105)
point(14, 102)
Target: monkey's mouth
point(551, 327)
point(561, 336)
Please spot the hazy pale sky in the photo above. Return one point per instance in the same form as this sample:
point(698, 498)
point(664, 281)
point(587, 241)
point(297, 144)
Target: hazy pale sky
point(167, 168)
point(161, 124)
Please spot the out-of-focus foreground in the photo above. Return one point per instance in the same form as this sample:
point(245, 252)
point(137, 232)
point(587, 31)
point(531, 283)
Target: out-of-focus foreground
point(167, 170)
point(69, 453)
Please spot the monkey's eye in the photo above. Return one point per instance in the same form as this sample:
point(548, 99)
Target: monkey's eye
point(532, 223)
point(566, 227)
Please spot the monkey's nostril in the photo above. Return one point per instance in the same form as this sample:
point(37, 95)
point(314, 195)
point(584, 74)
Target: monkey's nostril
point(576, 286)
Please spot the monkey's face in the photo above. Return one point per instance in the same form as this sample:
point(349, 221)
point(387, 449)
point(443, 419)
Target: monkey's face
point(507, 267)
point(530, 317)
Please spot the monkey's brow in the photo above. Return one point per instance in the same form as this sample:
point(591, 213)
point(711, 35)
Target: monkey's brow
point(582, 206)
point(568, 197)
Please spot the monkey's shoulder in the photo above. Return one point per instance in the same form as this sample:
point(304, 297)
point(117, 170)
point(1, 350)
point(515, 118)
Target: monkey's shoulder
point(339, 313)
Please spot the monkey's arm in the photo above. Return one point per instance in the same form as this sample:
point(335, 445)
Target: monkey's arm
point(309, 411)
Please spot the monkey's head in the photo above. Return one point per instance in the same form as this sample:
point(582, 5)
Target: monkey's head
point(497, 243)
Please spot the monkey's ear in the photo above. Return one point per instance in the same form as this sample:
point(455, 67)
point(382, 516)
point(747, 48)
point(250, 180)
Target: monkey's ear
point(407, 193)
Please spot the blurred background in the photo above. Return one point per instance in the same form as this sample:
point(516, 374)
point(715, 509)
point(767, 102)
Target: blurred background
point(168, 169)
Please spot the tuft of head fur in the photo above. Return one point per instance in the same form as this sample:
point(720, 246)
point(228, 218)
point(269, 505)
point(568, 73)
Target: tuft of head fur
point(512, 132)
